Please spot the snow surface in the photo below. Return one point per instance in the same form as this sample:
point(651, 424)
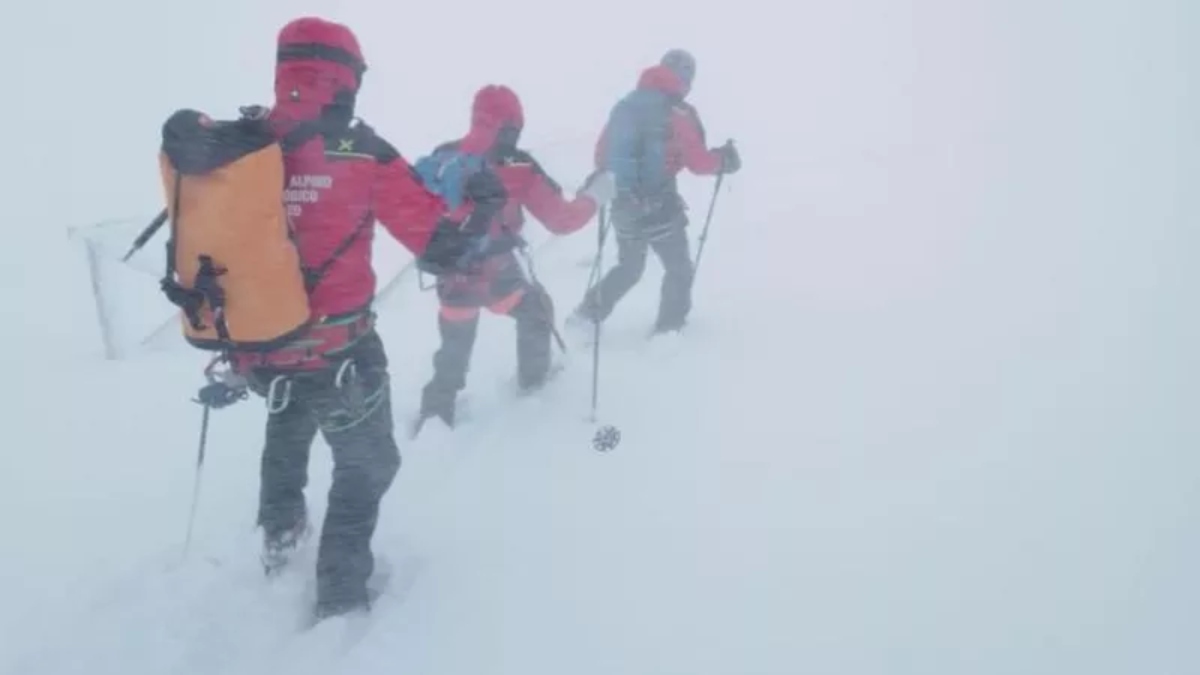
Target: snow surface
point(936, 413)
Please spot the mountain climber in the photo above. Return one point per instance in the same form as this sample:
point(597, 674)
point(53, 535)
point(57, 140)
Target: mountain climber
point(481, 269)
point(652, 135)
point(340, 177)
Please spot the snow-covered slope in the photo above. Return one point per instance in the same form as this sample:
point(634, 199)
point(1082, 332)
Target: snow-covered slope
point(935, 413)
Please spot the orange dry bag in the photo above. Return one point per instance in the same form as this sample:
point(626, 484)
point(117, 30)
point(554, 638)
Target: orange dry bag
point(232, 267)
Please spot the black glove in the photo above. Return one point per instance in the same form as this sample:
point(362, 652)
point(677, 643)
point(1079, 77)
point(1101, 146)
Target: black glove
point(254, 112)
point(731, 161)
point(444, 249)
point(221, 394)
point(454, 250)
point(457, 248)
point(486, 192)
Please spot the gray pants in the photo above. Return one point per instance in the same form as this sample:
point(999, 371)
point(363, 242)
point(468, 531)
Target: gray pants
point(458, 324)
point(356, 421)
point(670, 243)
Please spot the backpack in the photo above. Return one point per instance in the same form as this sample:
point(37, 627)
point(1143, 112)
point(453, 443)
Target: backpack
point(232, 266)
point(636, 143)
point(445, 172)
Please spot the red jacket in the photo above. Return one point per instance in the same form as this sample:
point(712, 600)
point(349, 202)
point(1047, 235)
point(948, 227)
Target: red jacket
point(496, 121)
point(528, 186)
point(687, 148)
point(337, 187)
point(344, 177)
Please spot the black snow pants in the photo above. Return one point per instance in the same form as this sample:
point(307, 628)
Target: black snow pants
point(502, 287)
point(669, 240)
point(354, 414)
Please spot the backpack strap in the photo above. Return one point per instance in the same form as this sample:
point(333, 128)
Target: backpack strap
point(313, 276)
point(205, 287)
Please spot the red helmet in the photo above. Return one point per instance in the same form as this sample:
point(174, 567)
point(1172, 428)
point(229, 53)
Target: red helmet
point(495, 107)
point(496, 119)
point(318, 64)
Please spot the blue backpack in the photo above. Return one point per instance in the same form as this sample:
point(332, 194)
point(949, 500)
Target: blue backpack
point(446, 170)
point(635, 149)
point(451, 249)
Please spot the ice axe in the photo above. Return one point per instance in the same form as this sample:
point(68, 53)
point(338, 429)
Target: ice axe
point(146, 234)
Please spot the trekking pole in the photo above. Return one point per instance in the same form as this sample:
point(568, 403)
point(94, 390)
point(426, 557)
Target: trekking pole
point(594, 284)
point(545, 298)
point(601, 234)
point(712, 205)
point(223, 389)
point(196, 481)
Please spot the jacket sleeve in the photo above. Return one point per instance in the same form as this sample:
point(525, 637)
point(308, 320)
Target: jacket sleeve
point(544, 199)
point(689, 139)
point(598, 152)
point(403, 205)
